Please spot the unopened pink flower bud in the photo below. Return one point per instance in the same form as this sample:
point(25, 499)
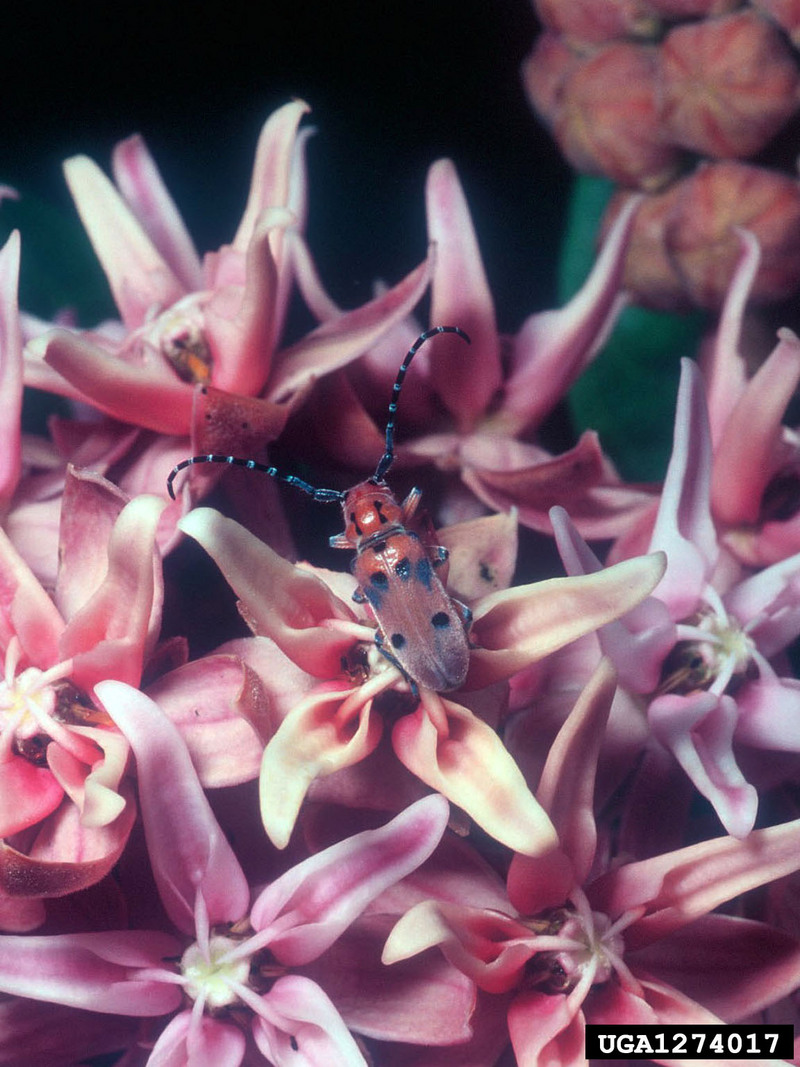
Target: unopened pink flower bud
point(729, 84)
point(545, 73)
point(684, 246)
point(597, 21)
point(609, 123)
point(786, 13)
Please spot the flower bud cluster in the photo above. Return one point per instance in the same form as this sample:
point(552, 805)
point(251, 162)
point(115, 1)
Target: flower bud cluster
point(672, 99)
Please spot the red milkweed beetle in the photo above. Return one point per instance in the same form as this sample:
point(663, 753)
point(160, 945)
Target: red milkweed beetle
point(421, 630)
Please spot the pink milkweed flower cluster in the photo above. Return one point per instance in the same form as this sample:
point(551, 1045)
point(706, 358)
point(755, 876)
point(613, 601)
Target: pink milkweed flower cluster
point(244, 833)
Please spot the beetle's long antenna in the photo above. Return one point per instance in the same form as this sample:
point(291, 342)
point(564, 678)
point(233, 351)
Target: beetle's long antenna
point(322, 496)
point(387, 459)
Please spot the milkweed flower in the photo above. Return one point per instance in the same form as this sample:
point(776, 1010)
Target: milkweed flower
point(230, 982)
point(473, 412)
point(629, 943)
point(197, 351)
point(438, 738)
point(700, 651)
point(65, 808)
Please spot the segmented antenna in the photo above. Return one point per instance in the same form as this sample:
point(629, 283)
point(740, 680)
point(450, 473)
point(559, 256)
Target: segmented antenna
point(387, 459)
point(322, 496)
point(326, 496)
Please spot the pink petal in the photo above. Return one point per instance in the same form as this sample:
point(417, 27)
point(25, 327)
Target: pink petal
point(150, 396)
point(566, 788)
point(139, 277)
point(638, 642)
point(684, 528)
point(10, 368)
point(142, 186)
point(698, 729)
point(188, 851)
point(423, 1000)
point(749, 448)
point(109, 636)
point(769, 714)
point(519, 626)
point(310, 905)
point(203, 1042)
point(483, 555)
point(336, 343)
point(242, 337)
point(546, 1030)
point(734, 967)
point(680, 886)
point(489, 947)
point(270, 185)
point(26, 611)
point(723, 367)
point(222, 712)
point(65, 855)
point(95, 971)
point(553, 347)
point(330, 729)
point(458, 754)
point(460, 296)
point(90, 507)
point(28, 794)
point(294, 612)
point(300, 1025)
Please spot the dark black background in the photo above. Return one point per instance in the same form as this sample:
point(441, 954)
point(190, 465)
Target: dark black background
point(393, 86)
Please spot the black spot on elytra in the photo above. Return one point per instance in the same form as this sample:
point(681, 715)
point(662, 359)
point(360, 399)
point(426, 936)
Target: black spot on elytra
point(423, 571)
point(379, 580)
point(403, 568)
point(398, 641)
point(440, 621)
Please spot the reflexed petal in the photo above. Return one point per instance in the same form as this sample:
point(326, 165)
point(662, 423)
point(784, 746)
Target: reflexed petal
point(336, 343)
point(519, 626)
point(328, 730)
point(270, 184)
point(188, 850)
point(680, 886)
point(465, 378)
point(140, 279)
point(749, 450)
point(458, 754)
point(310, 905)
point(96, 971)
point(298, 604)
point(153, 397)
point(553, 347)
point(684, 528)
point(10, 368)
point(698, 729)
point(566, 788)
point(142, 186)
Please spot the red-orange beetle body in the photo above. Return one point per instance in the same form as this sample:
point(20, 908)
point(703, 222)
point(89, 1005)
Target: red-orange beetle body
point(421, 629)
